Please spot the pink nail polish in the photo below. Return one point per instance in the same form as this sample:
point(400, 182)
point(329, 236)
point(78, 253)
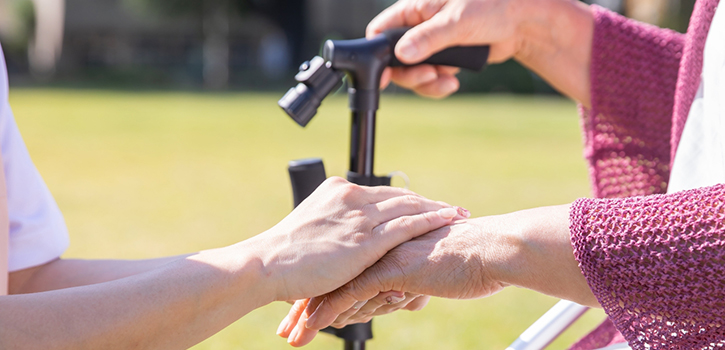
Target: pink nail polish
point(463, 212)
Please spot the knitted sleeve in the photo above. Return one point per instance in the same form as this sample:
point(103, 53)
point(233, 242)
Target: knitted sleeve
point(657, 265)
point(634, 69)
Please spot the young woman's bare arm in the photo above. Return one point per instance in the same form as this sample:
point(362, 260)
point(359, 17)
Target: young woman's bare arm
point(335, 234)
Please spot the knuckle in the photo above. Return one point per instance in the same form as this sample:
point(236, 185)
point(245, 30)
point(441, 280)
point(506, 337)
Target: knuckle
point(413, 202)
point(369, 209)
point(359, 237)
point(406, 223)
point(349, 192)
point(430, 218)
point(348, 290)
point(334, 181)
point(365, 313)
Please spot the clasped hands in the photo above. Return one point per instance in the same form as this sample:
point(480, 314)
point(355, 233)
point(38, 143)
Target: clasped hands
point(463, 259)
point(446, 262)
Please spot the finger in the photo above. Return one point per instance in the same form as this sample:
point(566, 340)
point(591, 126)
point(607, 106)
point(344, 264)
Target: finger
point(442, 87)
point(382, 310)
point(400, 206)
point(427, 38)
point(386, 308)
point(385, 298)
point(418, 303)
point(417, 78)
point(351, 311)
point(380, 277)
point(385, 78)
point(285, 328)
point(412, 77)
point(377, 194)
point(403, 13)
point(300, 335)
point(391, 17)
point(412, 302)
point(405, 228)
point(370, 307)
point(447, 70)
point(463, 213)
point(303, 336)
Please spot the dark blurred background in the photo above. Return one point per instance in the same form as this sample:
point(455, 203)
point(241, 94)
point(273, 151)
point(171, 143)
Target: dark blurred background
point(218, 44)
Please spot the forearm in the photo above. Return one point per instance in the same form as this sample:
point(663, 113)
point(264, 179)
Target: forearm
point(173, 306)
point(66, 273)
point(556, 43)
point(539, 255)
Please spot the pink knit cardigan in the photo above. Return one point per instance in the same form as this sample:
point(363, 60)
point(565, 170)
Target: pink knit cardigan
point(655, 262)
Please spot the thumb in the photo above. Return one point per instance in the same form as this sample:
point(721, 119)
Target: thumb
point(364, 287)
point(427, 38)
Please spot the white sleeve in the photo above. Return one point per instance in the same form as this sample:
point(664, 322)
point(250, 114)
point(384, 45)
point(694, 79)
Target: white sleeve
point(37, 230)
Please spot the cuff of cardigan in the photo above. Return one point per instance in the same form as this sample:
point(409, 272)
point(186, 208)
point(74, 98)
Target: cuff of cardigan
point(655, 261)
point(579, 222)
point(586, 245)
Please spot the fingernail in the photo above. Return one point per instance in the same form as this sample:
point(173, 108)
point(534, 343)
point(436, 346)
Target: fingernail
point(447, 213)
point(394, 300)
point(359, 304)
point(408, 50)
point(283, 325)
point(293, 336)
point(310, 322)
point(463, 212)
point(449, 86)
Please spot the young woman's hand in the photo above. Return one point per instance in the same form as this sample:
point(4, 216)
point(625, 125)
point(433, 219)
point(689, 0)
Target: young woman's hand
point(339, 231)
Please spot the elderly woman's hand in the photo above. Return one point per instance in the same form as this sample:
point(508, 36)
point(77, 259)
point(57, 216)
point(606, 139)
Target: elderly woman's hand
point(468, 259)
point(362, 312)
point(443, 23)
point(551, 37)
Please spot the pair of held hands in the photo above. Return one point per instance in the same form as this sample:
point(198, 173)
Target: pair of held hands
point(385, 246)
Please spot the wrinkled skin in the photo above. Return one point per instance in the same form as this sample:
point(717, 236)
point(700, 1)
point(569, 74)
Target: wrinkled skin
point(447, 262)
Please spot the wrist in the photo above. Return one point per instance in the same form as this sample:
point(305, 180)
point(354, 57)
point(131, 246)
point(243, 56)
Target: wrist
point(543, 255)
point(554, 39)
point(547, 27)
point(271, 264)
point(247, 276)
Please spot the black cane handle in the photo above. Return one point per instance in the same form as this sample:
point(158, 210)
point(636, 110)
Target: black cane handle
point(468, 57)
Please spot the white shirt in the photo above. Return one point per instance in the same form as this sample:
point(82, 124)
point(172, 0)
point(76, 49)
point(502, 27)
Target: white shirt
point(700, 158)
point(37, 230)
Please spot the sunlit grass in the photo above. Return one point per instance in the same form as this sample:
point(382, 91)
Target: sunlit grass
point(147, 174)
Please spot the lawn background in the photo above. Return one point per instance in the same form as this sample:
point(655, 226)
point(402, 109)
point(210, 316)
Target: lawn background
point(146, 174)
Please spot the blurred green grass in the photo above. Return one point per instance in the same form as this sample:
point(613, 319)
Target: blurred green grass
point(145, 174)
